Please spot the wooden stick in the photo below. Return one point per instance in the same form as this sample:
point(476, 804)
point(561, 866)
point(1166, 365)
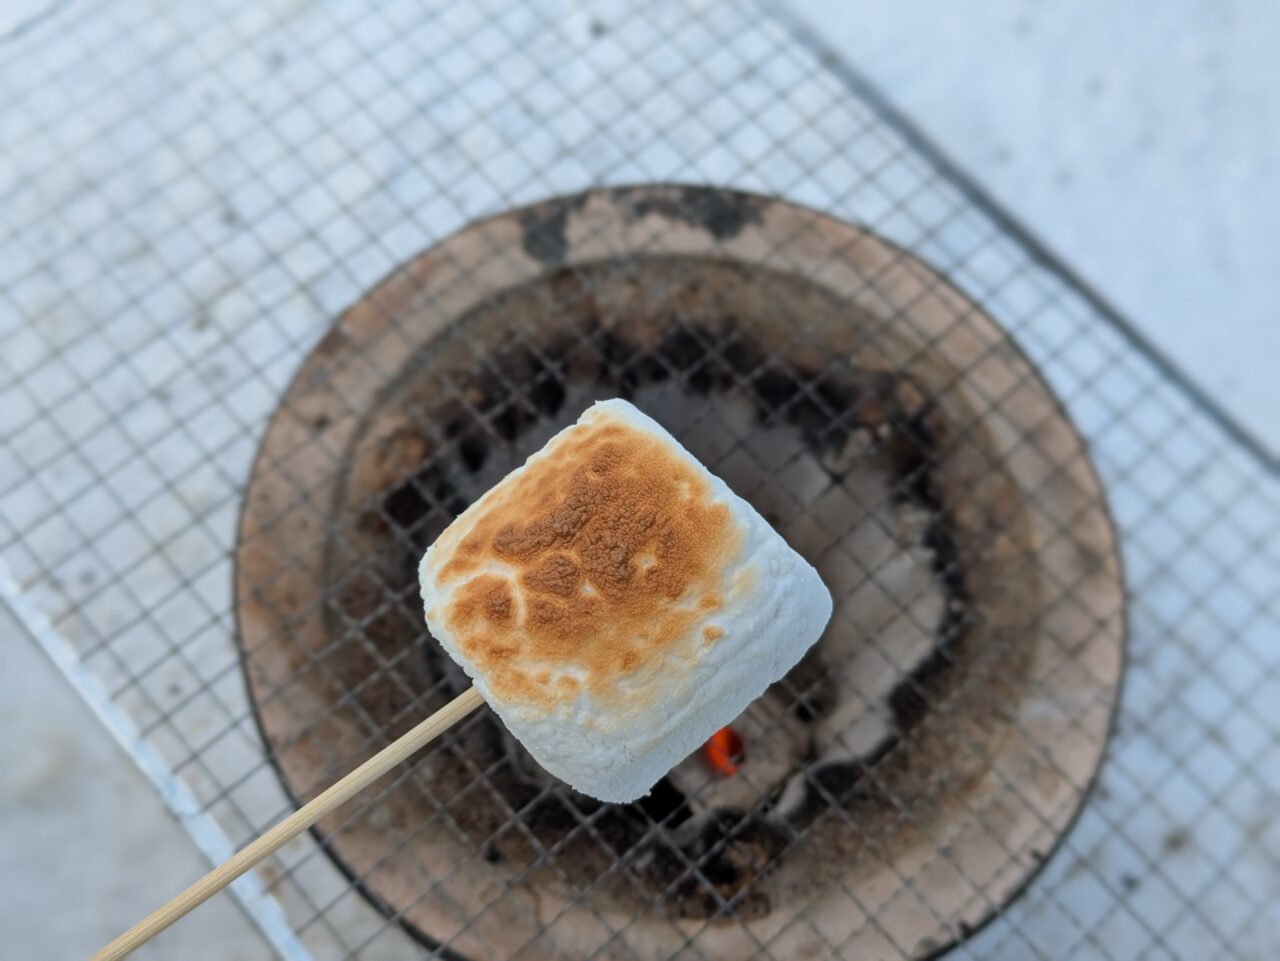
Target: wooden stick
point(293, 825)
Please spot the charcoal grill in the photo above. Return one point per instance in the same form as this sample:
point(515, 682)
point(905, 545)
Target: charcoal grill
point(277, 304)
point(960, 700)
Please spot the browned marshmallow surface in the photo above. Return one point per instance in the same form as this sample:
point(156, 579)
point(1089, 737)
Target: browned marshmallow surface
point(600, 557)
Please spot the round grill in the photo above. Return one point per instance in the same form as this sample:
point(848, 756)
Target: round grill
point(937, 740)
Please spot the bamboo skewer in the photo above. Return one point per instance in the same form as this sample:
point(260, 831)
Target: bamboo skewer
point(311, 812)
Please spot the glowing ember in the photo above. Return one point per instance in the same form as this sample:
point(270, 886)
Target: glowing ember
point(721, 752)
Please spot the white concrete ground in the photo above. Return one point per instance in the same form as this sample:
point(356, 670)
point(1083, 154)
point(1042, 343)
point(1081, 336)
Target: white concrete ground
point(66, 786)
point(1138, 140)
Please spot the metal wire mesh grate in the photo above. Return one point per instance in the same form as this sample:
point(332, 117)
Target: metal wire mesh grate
point(232, 178)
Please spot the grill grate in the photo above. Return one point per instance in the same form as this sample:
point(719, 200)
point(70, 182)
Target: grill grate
point(948, 560)
point(231, 179)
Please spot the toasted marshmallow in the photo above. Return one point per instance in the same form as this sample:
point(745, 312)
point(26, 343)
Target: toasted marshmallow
point(616, 604)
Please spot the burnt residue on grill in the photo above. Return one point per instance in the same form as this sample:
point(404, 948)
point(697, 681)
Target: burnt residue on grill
point(722, 213)
point(542, 228)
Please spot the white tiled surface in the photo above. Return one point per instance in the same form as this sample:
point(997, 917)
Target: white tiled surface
point(933, 76)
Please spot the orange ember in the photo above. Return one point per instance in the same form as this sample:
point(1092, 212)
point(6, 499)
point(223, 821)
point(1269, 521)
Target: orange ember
point(721, 752)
